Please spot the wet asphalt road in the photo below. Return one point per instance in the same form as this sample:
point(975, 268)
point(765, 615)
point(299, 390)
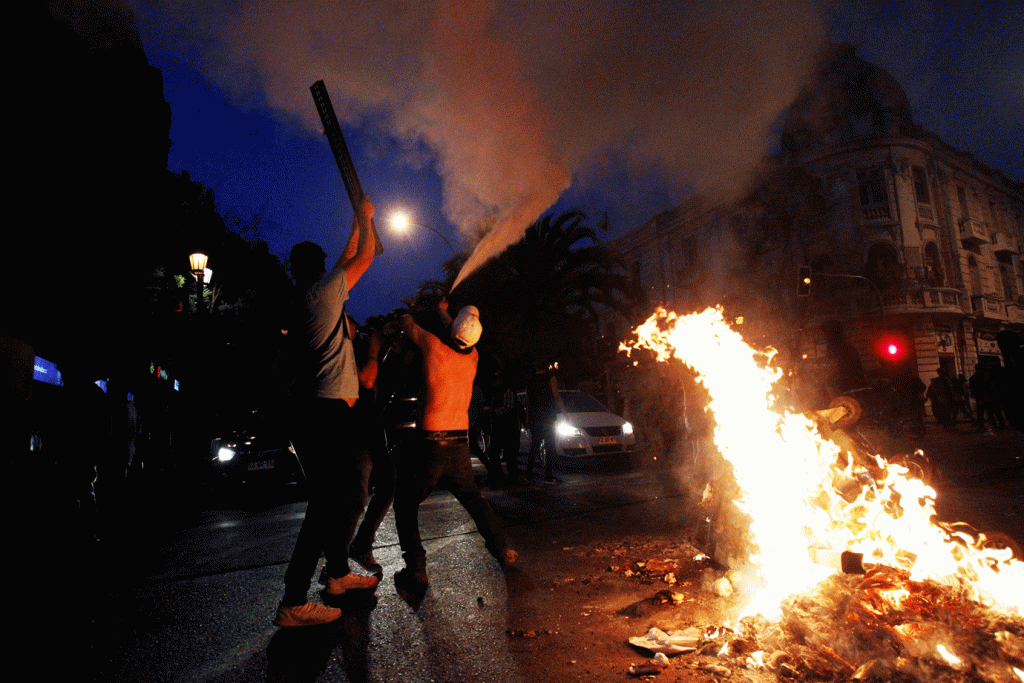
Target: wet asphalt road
point(202, 605)
point(193, 598)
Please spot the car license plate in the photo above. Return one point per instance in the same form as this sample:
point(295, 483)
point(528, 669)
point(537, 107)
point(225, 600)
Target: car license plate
point(606, 440)
point(262, 465)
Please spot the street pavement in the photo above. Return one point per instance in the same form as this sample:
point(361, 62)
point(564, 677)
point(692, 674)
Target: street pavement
point(194, 599)
point(979, 477)
point(191, 595)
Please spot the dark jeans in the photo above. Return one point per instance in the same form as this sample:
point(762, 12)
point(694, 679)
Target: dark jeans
point(989, 410)
point(542, 434)
point(505, 445)
point(382, 491)
point(428, 464)
point(336, 463)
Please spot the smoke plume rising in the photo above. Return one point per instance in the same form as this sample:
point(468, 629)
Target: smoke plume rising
point(517, 98)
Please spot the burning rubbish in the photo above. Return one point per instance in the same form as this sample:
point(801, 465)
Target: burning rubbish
point(878, 627)
point(920, 600)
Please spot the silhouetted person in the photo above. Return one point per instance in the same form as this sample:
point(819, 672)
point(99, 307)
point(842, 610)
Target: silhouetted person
point(910, 398)
point(543, 404)
point(505, 410)
point(983, 388)
point(82, 437)
point(382, 474)
point(940, 393)
point(848, 371)
point(478, 427)
point(328, 435)
point(962, 396)
point(1011, 345)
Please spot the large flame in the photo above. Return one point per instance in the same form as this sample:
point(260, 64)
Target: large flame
point(802, 495)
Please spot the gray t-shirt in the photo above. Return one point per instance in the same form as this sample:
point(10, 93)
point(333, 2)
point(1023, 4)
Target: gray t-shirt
point(330, 346)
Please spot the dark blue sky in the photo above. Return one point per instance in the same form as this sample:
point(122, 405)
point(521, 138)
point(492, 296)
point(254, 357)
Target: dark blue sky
point(463, 120)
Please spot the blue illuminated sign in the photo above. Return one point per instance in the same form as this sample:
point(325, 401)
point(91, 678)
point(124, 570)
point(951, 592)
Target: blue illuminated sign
point(46, 371)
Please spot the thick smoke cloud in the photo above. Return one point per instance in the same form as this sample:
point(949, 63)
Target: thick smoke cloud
point(516, 98)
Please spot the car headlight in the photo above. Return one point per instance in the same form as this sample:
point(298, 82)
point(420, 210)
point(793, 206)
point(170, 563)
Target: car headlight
point(225, 454)
point(564, 429)
point(627, 428)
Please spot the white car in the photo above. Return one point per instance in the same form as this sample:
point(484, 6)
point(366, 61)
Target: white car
point(587, 428)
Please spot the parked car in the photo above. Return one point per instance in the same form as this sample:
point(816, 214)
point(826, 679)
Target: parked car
point(586, 429)
point(254, 461)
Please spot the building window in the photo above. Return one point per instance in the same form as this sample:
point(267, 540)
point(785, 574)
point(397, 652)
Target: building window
point(871, 182)
point(961, 195)
point(883, 266)
point(1008, 277)
point(932, 265)
point(873, 198)
point(921, 185)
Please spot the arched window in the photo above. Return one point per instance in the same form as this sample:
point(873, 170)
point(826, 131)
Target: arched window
point(932, 266)
point(883, 266)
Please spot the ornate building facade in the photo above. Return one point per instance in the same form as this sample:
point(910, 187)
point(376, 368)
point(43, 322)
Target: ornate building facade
point(912, 245)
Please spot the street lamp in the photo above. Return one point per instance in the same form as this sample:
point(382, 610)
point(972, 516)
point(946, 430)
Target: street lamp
point(401, 223)
point(197, 263)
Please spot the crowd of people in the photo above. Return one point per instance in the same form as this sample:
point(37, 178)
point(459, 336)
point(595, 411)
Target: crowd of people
point(987, 400)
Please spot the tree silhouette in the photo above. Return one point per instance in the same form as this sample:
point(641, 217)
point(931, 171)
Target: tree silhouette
point(543, 296)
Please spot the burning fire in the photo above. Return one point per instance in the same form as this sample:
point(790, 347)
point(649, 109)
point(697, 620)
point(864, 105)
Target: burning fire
point(806, 497)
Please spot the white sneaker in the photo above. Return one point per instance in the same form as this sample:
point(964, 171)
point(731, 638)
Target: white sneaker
point(310, 614)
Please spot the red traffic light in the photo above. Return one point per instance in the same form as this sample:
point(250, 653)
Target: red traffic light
point(893, 347)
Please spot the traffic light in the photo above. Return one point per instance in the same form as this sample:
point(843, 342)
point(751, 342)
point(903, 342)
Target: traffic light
point(893, 347)
point(803, 283)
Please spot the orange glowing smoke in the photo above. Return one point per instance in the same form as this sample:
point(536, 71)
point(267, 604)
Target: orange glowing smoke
point(790, 478)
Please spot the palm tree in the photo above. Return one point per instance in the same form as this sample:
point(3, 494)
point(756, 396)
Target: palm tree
point(543, 296)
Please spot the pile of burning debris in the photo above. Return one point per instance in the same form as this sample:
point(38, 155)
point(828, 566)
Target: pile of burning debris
point(884, 627)
point(931, 601)
point(878, 627)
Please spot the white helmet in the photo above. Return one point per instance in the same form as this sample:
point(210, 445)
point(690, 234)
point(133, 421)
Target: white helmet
point(466, 327)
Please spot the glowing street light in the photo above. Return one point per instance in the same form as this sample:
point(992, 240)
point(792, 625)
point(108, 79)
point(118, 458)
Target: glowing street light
point(197, 264)
point(401, 223)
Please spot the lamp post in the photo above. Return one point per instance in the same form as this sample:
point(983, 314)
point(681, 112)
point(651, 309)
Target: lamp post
point(400, 222)
point(197, 263)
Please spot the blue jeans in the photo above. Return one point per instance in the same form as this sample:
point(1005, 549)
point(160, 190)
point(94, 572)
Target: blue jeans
point(336, 463)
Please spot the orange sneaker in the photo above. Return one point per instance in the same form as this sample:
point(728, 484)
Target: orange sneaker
point(350, 581)
point(310, 614)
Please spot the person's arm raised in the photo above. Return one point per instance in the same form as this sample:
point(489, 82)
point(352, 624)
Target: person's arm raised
point(359, 251)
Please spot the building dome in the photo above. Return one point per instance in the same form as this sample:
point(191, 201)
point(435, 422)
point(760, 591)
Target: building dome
point(846, 100)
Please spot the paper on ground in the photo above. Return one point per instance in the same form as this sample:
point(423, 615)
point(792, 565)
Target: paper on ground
point(672, 643)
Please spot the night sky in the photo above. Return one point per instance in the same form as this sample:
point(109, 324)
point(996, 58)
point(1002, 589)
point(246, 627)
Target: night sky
point(477, 117)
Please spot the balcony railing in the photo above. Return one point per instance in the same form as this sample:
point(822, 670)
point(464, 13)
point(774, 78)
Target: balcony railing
point(1015, 312)
point(918, 300)
point(877, 212)
point(1004, 242)
point(973, 230)
point(989, 308)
